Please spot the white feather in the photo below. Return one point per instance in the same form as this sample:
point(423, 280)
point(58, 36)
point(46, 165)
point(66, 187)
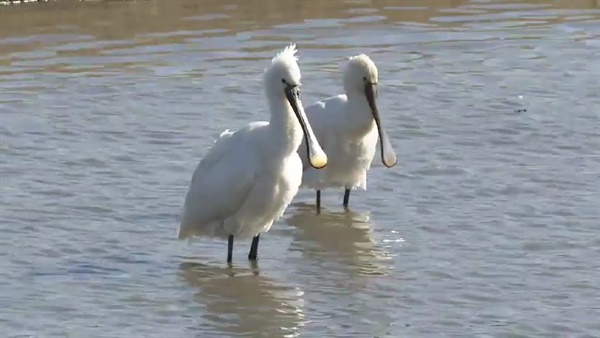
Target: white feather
point(250, 176)
point(346, 129)
point(348, 137)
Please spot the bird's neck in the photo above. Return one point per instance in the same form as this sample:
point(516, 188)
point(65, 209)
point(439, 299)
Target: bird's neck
point(359, 116)
point(285, 128)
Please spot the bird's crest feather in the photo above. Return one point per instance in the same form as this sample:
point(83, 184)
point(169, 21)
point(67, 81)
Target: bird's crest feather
point(287, 54)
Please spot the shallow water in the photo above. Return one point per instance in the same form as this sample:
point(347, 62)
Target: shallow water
point(488, 227)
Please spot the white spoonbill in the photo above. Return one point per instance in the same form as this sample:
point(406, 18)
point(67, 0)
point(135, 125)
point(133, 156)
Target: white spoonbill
point(250, 176)
point(347, 127)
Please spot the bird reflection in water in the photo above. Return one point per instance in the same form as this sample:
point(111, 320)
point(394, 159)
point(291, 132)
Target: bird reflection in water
point(241, 301)
point(344, 235)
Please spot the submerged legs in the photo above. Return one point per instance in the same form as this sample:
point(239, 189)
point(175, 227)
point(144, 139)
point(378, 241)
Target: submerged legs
point(254, 248)
point(229, 248)
point(318, 201)
point(346, 198)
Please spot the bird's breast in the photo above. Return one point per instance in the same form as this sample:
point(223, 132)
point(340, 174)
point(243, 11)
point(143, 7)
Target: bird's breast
point(282, 171)
point(289, 175)
point(364, 130)
point(279, 184)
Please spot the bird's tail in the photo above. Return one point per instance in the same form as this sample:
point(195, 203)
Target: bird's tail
point(189, 228)
point(185, 226)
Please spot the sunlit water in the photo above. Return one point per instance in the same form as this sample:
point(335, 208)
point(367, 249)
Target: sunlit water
point(488, 226)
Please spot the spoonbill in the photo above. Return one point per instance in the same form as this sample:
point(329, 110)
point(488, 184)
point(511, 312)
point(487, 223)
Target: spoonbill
point(249, 177)
point(347, 126)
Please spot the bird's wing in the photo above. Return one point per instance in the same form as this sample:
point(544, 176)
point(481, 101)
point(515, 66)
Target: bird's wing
point(222, 180)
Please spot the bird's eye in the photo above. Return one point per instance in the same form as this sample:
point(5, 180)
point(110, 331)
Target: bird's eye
point(365, 78)
point(283, 81)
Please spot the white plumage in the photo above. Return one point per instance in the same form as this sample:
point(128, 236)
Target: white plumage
point(250, 176)
point(347, 127)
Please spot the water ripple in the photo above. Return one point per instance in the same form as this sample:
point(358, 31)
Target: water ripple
point(488, 226)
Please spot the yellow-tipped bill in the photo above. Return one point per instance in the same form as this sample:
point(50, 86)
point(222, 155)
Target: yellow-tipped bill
point(318, 159)
point(316, 155)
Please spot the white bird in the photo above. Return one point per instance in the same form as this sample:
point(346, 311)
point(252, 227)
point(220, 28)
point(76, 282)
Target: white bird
point(249, 177)
point(347, 127)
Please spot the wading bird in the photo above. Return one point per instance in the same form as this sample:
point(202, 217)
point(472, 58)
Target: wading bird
point(347, 127)
point(250, 176)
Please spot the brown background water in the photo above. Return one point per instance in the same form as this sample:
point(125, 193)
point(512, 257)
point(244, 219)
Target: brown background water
point(488, 227)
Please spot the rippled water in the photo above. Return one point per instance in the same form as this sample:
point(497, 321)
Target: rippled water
point(488, 227)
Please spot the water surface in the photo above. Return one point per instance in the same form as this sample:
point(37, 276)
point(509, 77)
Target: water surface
point(488, 226)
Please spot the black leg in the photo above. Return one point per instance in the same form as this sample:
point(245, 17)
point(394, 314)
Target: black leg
point(318, 201)
point(229, 248)
point(254, 248)
point(346, 198)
